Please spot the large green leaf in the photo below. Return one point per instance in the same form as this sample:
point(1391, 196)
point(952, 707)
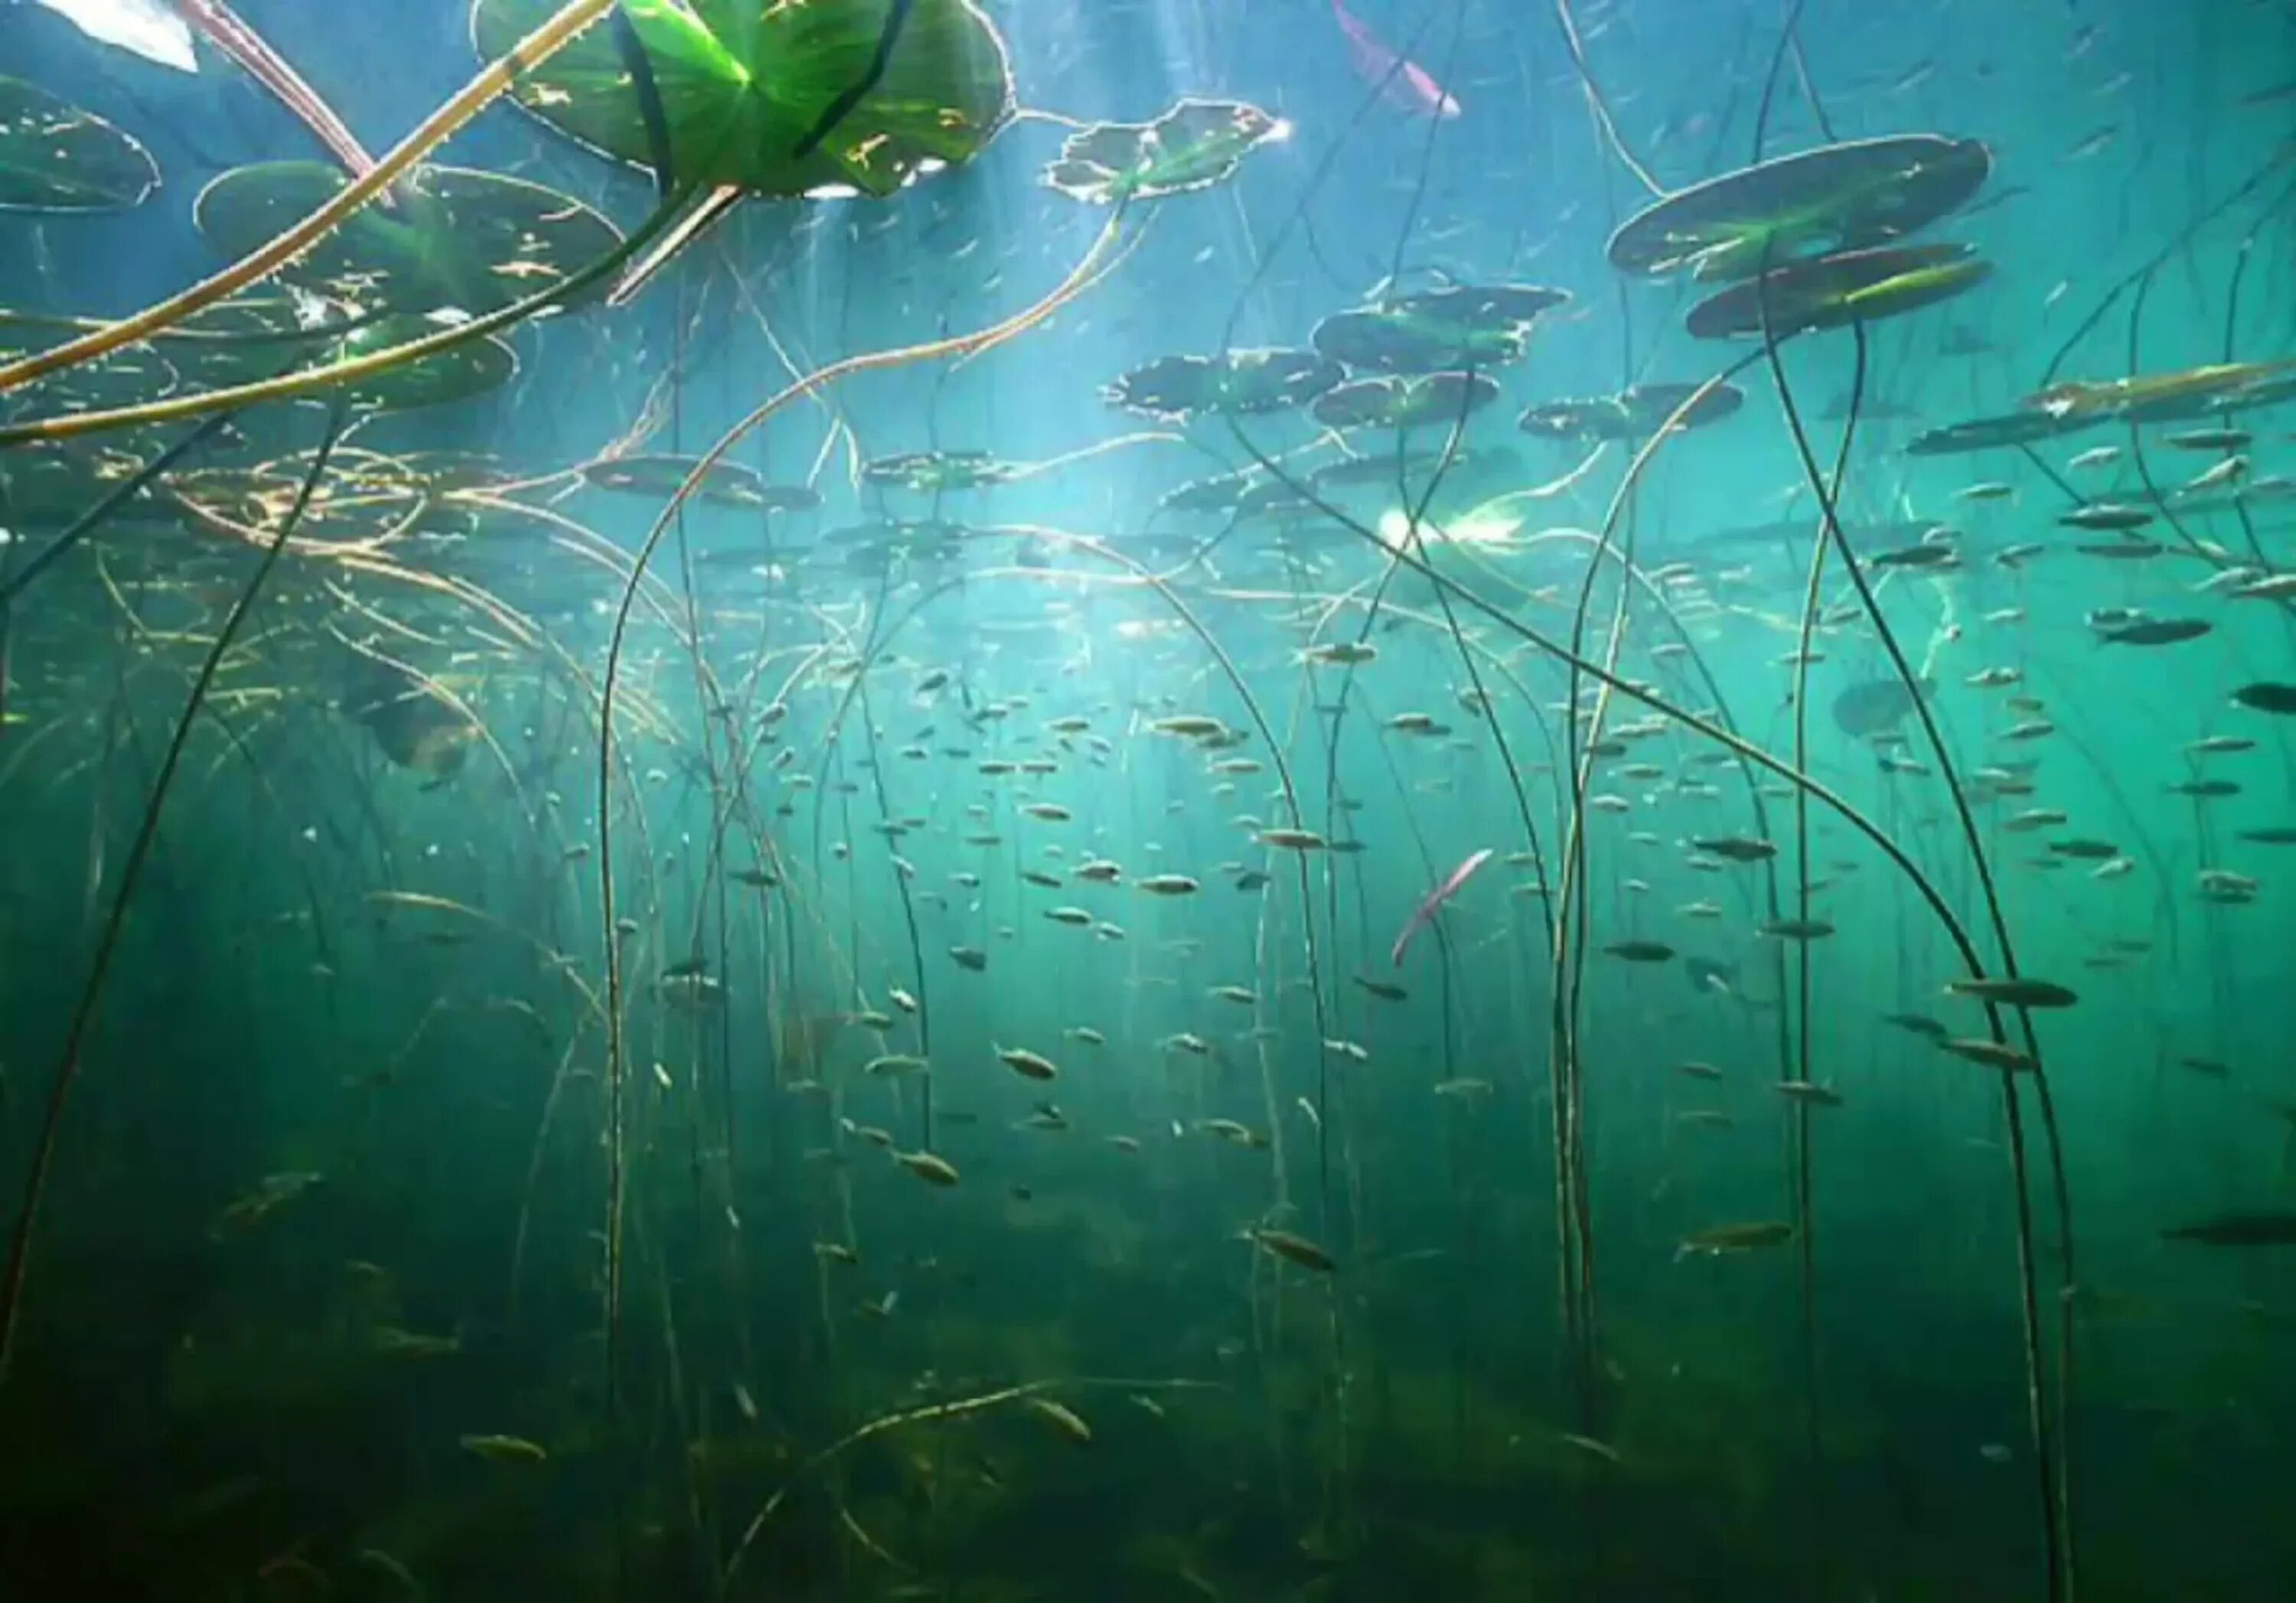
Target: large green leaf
point(744, 82)
point(54, 156)
point(455, 237)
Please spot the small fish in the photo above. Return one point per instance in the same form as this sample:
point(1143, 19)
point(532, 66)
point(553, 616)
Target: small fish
point(2268, 697)
point(506, 1449)
point(1385, 990)
point(1021, 1061)
point(895, 1063)
point(2020, 992)
point(1809, 1092)
point(1992, 1054)
point(1168, 884)
point(928, 1166)
point(2269, 1227)
point(1735, 1239)
point(1640, 952)
point(1066, 1419)
point(1737, 848)
point(969, 956)
point(1298, 1249)
point(1085, 1034)
point(1795, 929)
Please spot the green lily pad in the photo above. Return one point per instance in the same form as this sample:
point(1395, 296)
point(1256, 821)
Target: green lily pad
point(1380, 470)
point(1404, 402)
point(1841, 196)
point(1239, 384)
point(1220, 493)
point(1631, 414)
point(455, 237)
point(743, 84)
point(56, 157)
point(727, 484)
point(1195, 145)
point(1833, 291)
point(1439, 330)
point(49, 488)
point(936, 472)
point(457, 373)
point(2020, 428)
point(875, 549)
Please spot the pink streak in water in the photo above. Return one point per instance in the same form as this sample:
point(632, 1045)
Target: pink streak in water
point(1436, 898)
point(1404, 83)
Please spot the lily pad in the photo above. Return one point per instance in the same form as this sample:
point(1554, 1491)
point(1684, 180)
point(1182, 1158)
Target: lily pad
point(743, 84)
point(1631, 414)
point(1221, 493)
point(1833, 291)
point(936, 472)
point(1404, 402)
point(1380, 469)
point(455, 237)
point(1439, 330)
point(457, 373)
point(56, 157)
point(1240, 384)
point(1195, 145)
point(727, 484)
point(2192, 392)
point(1850, 196)
point(2020, 428)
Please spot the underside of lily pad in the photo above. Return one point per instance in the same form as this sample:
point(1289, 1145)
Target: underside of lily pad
point(1631, 414)
point(1833, 291)
point(1195, 145)
point(743, 86)
point(1439, 330)
point(2019, 428)
point(726, 484)
point(1404, 402)
point(57, 158)
point(1240, 384)
point(1850, 196)
point(455, 237)
point(935, 472)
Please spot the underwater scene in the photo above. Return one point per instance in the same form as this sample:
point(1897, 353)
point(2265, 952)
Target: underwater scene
point(1147, 801)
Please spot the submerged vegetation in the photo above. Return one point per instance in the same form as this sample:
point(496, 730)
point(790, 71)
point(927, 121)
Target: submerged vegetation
point(1470, 796)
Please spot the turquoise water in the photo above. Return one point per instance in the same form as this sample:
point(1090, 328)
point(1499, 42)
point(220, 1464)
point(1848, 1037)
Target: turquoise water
point(942, 1105)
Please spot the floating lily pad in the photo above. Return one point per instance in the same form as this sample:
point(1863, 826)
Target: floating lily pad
point(2020, 428)
point(56, 157)
point(873, 548)
point(1380, 470)
point(1439, 330)
point(936, 472)
point(1631, 414)
point(1833, 291)
point(741, 85)
point(1404, 402)
point(1195, 145)
point(1839, 197)
point(727, 484)
point(1242, 383)
point(1221, 493)
point(457, 373)
point(455, 237)
point(2193, 392)
point(51, 487)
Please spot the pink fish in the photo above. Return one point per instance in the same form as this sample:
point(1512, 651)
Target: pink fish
point(1435, 899)
point(1404, 83)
